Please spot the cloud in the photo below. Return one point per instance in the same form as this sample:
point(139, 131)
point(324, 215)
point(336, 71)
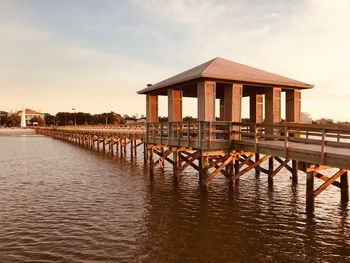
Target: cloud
point(98, 54)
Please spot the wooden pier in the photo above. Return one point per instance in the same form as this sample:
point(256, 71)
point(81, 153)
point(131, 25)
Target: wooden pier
point(228, 146)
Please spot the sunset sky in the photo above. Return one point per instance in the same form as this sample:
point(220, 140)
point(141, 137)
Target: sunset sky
point(95, 55)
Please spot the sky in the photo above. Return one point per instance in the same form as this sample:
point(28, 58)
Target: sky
point(94, 55)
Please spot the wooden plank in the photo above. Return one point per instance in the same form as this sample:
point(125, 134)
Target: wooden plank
point(329, 182)
point(247, 169)
point(279, 168)
point(193, 157)
point(218, 170)
point(326, 178)
point(196, 167)
point(286, 165)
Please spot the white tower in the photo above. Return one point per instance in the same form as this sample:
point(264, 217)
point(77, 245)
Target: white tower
point(23, 118)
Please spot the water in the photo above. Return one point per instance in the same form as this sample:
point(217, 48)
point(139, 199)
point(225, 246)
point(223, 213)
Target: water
point(63, 203)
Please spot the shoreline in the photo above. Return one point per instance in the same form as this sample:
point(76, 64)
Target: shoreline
point(10, 132)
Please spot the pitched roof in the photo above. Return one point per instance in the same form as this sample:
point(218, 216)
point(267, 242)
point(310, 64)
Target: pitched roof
point(30, 111)
point(219, 68)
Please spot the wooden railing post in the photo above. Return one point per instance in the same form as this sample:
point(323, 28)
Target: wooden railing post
point(229, 135)
point(209, 134)
point(286, 143)
point(256, 138)
point(323, 146)
point(200, 134)
point(189, 133)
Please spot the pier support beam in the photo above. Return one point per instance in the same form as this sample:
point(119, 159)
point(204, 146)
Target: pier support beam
point(151, 159)
point(310, 199)
point(344, 187)
point(257, 171)
point(203, 171)
point(176, 164)
point(295, 167)
point(206, 93)
point(270, 174)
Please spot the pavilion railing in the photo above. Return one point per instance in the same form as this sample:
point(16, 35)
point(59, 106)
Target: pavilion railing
point(223, 135)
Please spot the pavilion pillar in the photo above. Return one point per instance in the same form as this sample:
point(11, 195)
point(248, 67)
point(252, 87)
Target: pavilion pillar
point(233, 106)
point(152, 108)
point(256, 108)
point(222, 109)
point(206, 93)
point(272, 109)
point(174, 105)
point(293, 105)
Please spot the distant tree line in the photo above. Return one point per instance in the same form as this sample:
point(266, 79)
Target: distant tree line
point(13, 119)
point(9, 119)
point(82, 118)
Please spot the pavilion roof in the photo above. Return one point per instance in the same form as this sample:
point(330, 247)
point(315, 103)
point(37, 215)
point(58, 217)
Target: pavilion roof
point(223, 69)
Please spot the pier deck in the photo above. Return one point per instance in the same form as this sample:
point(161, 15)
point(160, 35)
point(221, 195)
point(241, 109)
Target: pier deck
point(228, 148)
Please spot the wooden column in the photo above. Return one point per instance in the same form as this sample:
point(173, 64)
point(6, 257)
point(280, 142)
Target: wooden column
point(131, 149)
point(206, 93)
point(145, 153)
point(222, 110)
point(295, 165)
point(272, 107)
point(233, 102)
point(231, 172)
point(270, 178)
point(310, 199)
point(233, 106)
point(256, 108)
point(151, 160)
point(175, 105)
point(257, 171)
point(176, 164)
point(111, 145)
point(344, 187)
point(293, 105)
point(152, 108)
point(203, 171)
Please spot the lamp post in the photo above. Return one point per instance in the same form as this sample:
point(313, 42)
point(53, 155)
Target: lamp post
point(75, 116)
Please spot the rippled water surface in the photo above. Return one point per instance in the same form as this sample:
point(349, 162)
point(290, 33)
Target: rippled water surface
point(63, 203)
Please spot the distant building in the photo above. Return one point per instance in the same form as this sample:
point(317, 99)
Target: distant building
point(29, 114)
point(130, 121)
point(324, 121)
point(306, 118)
point(143, 120)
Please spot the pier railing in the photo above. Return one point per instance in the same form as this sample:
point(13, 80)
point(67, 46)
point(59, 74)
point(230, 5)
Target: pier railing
point(323, 144)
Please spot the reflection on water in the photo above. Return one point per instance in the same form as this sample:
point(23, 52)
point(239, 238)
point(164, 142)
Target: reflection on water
point(64, 203)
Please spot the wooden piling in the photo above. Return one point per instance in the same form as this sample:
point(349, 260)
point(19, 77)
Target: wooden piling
point(344, 187)
point(257, 171)
point(270, 173)
point(310, 199)
point(295, 168)
point(176, 164)
point(203, 171)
